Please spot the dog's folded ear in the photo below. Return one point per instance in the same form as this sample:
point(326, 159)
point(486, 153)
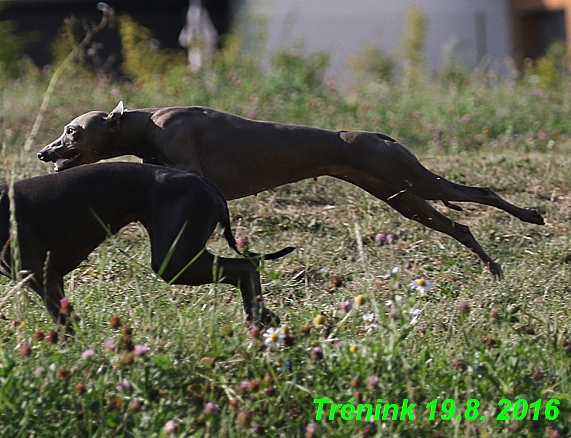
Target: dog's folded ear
point(114, 117)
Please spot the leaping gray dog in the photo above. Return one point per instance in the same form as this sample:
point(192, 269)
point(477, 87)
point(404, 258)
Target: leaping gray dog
point(244, 157)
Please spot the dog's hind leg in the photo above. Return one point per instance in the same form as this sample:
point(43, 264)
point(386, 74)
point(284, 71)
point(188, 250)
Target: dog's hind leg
point(206, 268)
point(383, 162)
point(244, 274)
point(434, 187)
point(421, 211)
point(241, 273)
point(430, 186)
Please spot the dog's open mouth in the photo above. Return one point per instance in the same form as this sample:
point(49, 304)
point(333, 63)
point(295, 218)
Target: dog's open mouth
point(67, 161)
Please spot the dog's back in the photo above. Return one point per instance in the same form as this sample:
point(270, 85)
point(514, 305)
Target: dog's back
point(78, 208)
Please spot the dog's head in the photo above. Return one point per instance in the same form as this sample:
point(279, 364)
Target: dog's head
point(85, 139)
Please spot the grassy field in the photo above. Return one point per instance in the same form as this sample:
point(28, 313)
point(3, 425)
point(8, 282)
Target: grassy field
point(153, 360)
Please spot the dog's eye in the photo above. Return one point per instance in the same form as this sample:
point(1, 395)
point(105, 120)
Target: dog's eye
point(69, 131)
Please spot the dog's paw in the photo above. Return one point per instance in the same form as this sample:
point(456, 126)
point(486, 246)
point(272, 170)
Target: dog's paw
point(265, 319)
point(269, 318)
point(496, 270)
point(533, 216)
point(70, 323)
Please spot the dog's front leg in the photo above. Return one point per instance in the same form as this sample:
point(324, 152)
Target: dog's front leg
point(49, 286)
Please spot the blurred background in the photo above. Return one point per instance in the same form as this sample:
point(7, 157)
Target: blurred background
point(471, 32)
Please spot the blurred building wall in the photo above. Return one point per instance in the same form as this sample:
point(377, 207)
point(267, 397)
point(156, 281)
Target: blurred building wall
point(475, 30)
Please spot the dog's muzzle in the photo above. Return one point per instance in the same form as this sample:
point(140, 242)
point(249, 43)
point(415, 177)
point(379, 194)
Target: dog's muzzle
point(61, 157)
point(42, 156)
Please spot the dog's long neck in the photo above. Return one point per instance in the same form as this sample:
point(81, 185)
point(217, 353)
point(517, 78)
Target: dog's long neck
point(133, 136)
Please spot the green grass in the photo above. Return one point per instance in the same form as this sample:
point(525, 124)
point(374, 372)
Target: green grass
point(475, 338)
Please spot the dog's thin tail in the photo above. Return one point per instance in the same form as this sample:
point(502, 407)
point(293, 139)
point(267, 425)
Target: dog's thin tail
point(229, 236)
point(270, 256)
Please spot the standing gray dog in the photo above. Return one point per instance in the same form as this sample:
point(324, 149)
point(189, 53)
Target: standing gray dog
point(61, 218)
point(244, 157)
